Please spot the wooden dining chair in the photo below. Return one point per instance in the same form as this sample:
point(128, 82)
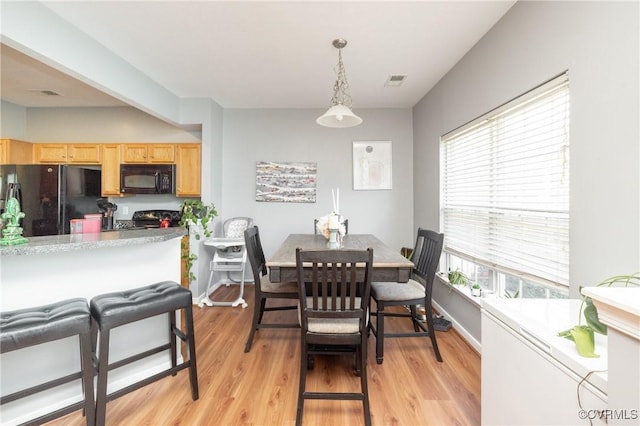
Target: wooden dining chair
point(264, 288)
point(417, 291)
point(334, 288)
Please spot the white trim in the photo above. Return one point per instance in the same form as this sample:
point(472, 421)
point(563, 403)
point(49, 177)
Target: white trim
point(459, 328)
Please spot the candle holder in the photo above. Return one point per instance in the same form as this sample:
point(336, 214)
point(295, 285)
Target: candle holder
point(334, 236)
point(334, 230)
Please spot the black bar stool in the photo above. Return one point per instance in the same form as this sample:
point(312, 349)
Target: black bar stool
point(34, 326)
point(112, 310)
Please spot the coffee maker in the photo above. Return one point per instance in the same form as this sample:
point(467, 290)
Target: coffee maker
point(106, 208)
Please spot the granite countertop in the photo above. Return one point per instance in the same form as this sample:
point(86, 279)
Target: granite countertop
point(73, 242)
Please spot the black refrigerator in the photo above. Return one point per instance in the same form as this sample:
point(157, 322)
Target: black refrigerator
point(50, 196)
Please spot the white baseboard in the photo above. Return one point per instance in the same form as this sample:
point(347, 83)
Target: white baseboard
point(459, 328)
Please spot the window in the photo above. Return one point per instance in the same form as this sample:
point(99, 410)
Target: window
point(505, 195)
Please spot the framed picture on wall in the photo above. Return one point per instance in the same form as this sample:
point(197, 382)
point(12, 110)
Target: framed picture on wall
point(286, 182)
point(372, 165)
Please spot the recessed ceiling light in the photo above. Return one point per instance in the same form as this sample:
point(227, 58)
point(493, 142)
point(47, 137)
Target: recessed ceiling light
point(395, 80)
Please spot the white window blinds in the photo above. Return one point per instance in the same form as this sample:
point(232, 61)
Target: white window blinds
point(505, 186)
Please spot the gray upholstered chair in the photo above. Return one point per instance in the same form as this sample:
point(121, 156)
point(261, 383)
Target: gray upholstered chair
point(417, 291)
point(334, 288)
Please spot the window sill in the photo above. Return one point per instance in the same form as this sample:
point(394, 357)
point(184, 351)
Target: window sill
point(465, 292)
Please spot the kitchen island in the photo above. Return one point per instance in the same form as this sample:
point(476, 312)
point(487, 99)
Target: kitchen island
point(54, 268)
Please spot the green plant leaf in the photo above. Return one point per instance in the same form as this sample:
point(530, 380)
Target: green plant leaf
point(591, 316)
point(457, 277)
point(590, 312)
point(198, 213)
point(582, 335)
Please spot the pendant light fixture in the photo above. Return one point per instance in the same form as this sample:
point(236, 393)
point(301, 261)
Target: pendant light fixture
point(339, 113)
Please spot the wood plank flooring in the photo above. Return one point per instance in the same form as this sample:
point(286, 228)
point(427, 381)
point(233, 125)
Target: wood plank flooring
point(261, 387)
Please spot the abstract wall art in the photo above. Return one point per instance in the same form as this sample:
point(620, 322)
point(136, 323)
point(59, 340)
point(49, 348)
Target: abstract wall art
point(285, 182)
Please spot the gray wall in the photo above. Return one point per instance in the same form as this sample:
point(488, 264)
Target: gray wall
point(13, 121)
point(292, 135)
point(598, 42)
point(261, 135)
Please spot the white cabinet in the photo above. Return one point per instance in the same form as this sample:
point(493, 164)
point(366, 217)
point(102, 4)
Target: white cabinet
point(531, 376)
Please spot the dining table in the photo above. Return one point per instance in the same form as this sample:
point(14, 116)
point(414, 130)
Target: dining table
point(388, 265)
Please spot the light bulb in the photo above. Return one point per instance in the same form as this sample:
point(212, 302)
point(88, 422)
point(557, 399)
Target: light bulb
point(339, 117)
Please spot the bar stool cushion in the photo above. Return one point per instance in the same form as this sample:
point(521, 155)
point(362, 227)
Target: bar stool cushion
point(32, 326)
point(114, 309)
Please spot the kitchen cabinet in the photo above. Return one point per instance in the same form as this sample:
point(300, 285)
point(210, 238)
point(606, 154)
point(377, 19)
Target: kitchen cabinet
point(188, 169)
point(148, 153)
point(110, 170)
point(62, 153)
point(530, 375)
point(50, 152)
point(15, 152)
point(83, 153)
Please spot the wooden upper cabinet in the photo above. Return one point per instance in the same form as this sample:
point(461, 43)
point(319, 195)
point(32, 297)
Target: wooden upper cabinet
point(62, 153)
point(148, 153)
point(15, 152)
point(162, 153)
point(50, 152)
point(84, 153)
point(188, 169)
point(110, 170)
point(134, 153)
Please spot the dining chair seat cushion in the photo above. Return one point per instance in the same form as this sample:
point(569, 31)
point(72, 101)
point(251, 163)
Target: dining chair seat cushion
point(286, 287)
point(389, 291)
point(333, 325)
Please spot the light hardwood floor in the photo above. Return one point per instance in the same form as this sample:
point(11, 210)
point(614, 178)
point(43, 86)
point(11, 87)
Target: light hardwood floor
point(261, 387)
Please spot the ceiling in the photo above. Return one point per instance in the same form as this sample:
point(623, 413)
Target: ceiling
point(263, 54)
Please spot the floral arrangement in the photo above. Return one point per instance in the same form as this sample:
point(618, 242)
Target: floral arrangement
point(323, 226)
point(323, 222)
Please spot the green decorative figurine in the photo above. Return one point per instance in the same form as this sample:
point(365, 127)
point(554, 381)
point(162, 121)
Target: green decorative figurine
point(12, 232)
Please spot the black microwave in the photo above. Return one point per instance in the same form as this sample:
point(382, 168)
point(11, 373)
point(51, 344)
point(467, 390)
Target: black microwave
point(147, 178)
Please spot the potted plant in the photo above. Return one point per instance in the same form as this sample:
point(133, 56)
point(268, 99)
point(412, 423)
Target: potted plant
point(583, 335)
point(196, 217)
point(457, 277)
point(476, 290)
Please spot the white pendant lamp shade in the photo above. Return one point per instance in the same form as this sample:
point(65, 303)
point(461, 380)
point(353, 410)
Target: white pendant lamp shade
point(339, 113)
point(339, 116)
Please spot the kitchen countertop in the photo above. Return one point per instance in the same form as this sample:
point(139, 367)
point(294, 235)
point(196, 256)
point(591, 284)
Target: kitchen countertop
point(73, 242)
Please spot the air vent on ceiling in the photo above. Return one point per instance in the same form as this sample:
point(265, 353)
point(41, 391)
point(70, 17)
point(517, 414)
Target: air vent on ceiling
point(46, 92)
point(395, 80)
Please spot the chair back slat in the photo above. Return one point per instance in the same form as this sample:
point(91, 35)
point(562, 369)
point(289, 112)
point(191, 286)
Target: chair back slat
point(338, 285)
point(255, 253)
point(426, 255)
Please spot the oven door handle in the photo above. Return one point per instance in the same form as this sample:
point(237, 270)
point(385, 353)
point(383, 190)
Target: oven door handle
point(158, 177)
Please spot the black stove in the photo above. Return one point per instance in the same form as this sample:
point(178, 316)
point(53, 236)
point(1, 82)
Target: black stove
point(152, 218)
